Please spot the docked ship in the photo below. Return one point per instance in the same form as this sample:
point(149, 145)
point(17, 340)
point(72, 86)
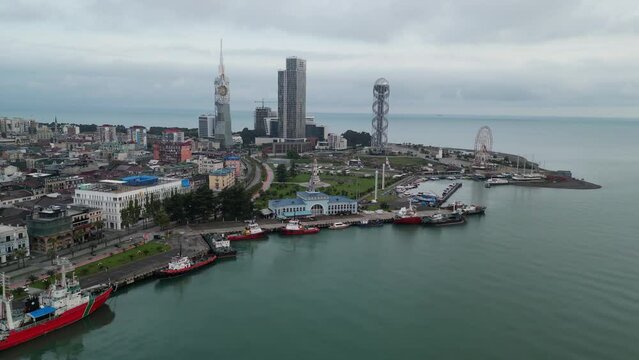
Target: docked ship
point(454, 218)
point(294, 227)
point(223, 250)
point(252, 232)
point(180, 265)
point(62, 304)
point(338, 226)
point(370, 223)
point(473, 209)
point(407, 216)
point(495, 181)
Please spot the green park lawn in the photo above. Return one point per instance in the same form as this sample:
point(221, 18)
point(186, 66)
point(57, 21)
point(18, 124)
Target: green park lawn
point(113, 261)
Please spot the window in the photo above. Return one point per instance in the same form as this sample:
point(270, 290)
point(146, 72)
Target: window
point(8, 238)
point(20, 235)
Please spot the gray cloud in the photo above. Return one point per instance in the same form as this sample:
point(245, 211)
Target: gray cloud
point(453, 56)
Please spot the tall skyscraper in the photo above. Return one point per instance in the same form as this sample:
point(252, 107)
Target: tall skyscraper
point(206, 125)
point(223, 131)
point(291, 99)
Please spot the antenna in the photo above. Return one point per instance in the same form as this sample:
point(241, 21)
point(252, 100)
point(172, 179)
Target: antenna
point(221, 67)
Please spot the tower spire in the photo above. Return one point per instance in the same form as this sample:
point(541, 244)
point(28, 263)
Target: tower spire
point(221, 67)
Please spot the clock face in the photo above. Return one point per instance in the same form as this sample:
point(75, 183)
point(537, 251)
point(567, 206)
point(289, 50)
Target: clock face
point(222, 90)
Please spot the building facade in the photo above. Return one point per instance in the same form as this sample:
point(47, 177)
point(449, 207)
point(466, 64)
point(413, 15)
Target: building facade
point(261, 113)
point(13, 238)
point(205, 164)
point(291, 99)
point(233, 161)
point(111, 196)
point(312, 203)
point(173, 135)
point(107, 134)
point(206, 125)
point(221, 179)
point(336, 142)
point(137, 135)
point(314, 130)
point(17, 126)
point(172, 152)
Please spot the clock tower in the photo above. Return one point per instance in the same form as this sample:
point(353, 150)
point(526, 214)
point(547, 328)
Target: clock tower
point(223, 131)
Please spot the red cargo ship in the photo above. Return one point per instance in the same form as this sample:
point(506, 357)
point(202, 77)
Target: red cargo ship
point(407, 216)
point(62, 304)
point(252, 232)
point(295, 228)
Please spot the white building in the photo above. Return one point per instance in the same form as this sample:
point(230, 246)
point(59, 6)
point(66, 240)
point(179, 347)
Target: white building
point(12, 238)
point(107, 134)
point(114, 195)
point(206, 165)
point(336, 142)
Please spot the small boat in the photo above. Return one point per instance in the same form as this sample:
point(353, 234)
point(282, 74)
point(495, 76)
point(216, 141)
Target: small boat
point(370, 223)
point(495, 181)
point(252, 232)
point(338, 226)
point(439, 219)
point(180, 265)
point(473, 209)
point(294, 227)
point(223, 250)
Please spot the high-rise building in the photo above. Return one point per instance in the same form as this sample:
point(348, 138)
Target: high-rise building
point(261, 113)
point(291, 99)
point(222, 99)
point(137, 135)
point(206, 125)
point(107, 134)
point(314, 130)
point(173, 135)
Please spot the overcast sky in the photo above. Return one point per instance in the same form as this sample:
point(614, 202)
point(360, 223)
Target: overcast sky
point(538, 57)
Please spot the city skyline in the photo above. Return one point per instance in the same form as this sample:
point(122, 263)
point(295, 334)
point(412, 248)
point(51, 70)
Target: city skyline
point(463, 58)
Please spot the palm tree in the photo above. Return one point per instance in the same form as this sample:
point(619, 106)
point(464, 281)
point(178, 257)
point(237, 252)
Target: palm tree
point(20, 254)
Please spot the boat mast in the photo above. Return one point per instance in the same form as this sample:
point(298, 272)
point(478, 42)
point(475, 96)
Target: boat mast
point(7, 302)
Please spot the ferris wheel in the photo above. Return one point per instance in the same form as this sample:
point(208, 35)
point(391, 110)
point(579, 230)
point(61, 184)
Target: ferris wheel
point(483, 146)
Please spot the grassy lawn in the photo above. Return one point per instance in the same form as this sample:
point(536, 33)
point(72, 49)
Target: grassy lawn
point(111, 262)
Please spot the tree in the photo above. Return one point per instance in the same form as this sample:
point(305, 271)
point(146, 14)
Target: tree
point(248, 136)
point(292, 154)
point(292, 171)
point(280, 173)
point(161, 218)
point(235, 203)
point(20, 255)
point(355, 138)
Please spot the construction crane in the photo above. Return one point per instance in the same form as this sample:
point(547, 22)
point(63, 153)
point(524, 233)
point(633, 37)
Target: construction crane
point(263, 102)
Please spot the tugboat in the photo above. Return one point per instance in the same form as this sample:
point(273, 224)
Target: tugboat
point(180, 265)
point(62, 304)
point(407, 216)
point(223, 250)
point(454, 218)
point(338, 226)
point(251, 232)
point(295, 228)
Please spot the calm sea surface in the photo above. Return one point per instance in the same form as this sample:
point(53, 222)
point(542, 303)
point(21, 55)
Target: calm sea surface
point(547, 273)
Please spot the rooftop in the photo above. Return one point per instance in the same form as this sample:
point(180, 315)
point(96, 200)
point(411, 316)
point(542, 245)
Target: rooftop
point(7, 228)
point(222, 172)
point(118, 186)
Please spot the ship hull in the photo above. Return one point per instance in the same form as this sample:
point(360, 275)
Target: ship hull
point(257, 236)
point(300, 231)
point(413, 220)
point(17, 337)
point(166, 273)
